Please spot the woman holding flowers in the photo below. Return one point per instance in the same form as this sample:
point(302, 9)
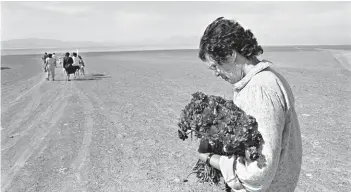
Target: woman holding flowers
point(231, 51)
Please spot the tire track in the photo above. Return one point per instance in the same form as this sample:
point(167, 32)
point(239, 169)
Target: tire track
point(105, 145)
point(22, 134)
point(59, 114)
point(30, 112)
point(126, 140)
point(50, 115)
point(38, 130)
point(7, 88)
point(36, 148)
point(79, 175)
point(6, 107)
point(78, 179)
point(31, 109)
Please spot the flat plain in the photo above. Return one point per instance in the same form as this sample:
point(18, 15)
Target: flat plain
point(116, 128)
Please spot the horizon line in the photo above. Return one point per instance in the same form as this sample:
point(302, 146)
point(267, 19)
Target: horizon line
point(165, 47)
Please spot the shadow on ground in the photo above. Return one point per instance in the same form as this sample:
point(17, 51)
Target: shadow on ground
point(3, 68)
point(88, 77)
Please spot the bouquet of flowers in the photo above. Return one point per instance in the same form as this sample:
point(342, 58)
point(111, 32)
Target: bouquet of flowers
point(228, 130)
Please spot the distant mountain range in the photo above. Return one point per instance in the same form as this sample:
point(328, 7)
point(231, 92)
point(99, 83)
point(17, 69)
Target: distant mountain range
point(37, 43)
point(39, 46)
point(33, 43)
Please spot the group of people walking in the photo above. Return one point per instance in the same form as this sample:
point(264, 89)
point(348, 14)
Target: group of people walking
point(71, 65)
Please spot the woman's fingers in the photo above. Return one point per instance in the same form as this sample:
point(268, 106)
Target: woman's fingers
point(203, 156)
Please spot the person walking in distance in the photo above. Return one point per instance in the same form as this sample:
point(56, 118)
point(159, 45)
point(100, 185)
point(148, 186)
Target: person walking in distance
point(50, 67)
point(55, 58)
point(81, 65)
point(67, 63)
point(44, 61)
point(76, 63)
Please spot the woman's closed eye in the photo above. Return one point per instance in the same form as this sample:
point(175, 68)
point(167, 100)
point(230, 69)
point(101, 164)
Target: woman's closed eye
point(213, 67)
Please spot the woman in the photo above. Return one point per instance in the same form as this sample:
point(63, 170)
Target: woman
point(75, 59)
point(54, 57)
point(44, 61)
point(67, 63)
point(50, 67)
point(76, 64)
point(262, 93)
point(81, 65)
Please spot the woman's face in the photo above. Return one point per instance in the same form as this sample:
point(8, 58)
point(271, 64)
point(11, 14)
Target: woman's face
point(229, 71)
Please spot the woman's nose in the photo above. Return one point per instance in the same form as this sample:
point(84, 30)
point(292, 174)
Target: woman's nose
point(217, 73)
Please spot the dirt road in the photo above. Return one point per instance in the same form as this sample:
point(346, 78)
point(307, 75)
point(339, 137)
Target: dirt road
point(115, 129)
point(86, 135)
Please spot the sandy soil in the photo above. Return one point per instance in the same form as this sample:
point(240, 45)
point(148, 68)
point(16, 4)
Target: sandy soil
point(115, 129)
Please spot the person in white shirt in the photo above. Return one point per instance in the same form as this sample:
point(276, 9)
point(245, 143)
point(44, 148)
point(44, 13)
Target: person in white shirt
point(75, 59)
point(54, 57)
point(50, 67)
point(76, 63)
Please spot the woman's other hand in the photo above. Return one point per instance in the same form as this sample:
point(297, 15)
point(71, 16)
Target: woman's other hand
point(212, 160)
point(227, 165)
point(204, 146)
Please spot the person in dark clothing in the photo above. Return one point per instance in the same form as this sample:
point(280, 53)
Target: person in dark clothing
point(67, 64)
point(44, 61)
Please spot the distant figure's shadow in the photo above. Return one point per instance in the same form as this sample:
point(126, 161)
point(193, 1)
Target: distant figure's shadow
point(88, 77)
point(3, 68)
point(99, 75)
point(94, 76)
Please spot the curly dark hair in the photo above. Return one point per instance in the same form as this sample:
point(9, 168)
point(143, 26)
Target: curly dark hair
point(223, 36)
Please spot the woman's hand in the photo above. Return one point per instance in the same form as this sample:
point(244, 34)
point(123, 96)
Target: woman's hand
point(203, 156)
point(205, 149)
point(227, 165)
point(228, 172)
point(214, 159)
point(204, 146)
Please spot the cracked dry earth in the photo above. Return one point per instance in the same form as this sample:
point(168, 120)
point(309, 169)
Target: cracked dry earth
point(115, 129)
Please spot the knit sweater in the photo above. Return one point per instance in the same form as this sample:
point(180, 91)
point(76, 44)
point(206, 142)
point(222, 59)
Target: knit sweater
point(267, 96)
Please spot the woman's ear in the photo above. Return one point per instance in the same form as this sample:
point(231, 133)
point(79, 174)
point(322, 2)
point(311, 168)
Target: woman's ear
point(233, 57)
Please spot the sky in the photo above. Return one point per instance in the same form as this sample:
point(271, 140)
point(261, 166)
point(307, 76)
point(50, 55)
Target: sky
point(182, 22)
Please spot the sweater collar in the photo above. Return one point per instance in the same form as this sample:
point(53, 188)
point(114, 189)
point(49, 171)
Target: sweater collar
point(258, 68)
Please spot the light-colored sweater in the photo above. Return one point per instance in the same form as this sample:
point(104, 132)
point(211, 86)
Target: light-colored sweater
point(267, 96)
point(51, 62)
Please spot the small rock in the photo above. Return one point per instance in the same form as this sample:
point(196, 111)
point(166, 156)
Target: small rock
point(120, 136)
point(12, 136)
point(150, 142)
point(309, 175)
point(63, 170)
point(176, 180)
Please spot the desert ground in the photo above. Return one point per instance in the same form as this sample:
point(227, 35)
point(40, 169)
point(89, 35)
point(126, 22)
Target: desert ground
point(116, 128)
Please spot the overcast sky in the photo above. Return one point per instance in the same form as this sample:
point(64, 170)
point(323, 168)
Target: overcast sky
point(273, 23)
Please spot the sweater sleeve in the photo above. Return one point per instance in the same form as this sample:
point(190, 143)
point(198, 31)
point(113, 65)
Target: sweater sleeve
point(267, 106)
